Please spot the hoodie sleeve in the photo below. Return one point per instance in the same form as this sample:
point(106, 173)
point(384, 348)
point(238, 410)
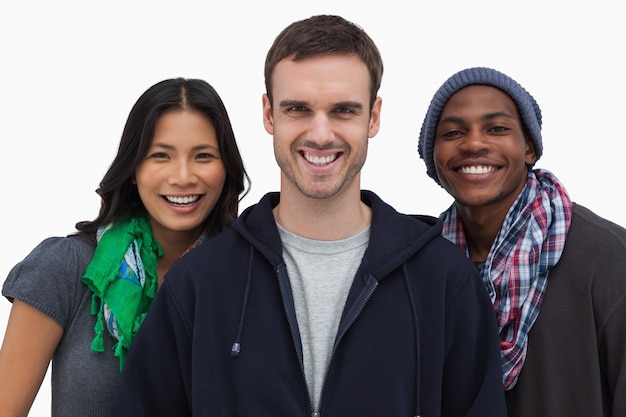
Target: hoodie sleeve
point(156, 374)
point(473, 370)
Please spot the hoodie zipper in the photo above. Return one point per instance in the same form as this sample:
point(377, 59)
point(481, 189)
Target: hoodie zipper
point(373, 284)
point(293, 334)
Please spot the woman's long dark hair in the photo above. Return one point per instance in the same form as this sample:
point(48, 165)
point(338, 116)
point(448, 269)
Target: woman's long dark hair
point(119, 196)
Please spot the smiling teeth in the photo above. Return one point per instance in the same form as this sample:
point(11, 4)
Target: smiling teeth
point(477, 169)
point(190, 199)
point(320, 161)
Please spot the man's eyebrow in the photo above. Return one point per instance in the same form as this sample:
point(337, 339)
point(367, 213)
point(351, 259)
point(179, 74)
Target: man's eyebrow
point(292, 103)
point(490, 116)
point(349, 104)
point(299, 103)
point(452, 119)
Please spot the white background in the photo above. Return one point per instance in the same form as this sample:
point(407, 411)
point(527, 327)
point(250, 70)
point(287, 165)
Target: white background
point(71, 72)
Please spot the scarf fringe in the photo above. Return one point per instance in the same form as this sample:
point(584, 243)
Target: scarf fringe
point(97, 344)
point(122, 276)
point(120, 351)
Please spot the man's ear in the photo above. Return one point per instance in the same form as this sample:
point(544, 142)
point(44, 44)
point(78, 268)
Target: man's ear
point(531, 155)
point(268, 121)
point(374, 122)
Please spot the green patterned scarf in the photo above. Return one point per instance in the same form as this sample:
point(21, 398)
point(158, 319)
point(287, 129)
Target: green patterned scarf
point(123, 278)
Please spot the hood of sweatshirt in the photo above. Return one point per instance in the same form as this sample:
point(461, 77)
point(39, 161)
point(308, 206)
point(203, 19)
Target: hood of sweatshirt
point(394, 238)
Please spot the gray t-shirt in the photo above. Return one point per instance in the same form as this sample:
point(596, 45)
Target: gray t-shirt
point(49, 279)
point(320, 273)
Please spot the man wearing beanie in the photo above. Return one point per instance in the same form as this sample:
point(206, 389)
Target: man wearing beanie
point(554, 270)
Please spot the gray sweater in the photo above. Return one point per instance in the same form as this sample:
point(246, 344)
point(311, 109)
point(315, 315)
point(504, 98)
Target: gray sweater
point(49, 279)
point(576, 361)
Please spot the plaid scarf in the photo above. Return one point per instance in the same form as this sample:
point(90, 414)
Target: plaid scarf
point(529, 243)
point(123, 278)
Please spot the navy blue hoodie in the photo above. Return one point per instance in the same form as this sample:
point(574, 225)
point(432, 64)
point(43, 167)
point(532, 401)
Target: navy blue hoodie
point(417, 335)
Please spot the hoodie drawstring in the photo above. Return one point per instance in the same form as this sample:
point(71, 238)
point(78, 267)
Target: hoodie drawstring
point(417, 342)
point(236, 348)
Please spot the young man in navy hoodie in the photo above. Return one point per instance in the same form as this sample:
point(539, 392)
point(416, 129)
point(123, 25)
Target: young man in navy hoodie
point(321, 300)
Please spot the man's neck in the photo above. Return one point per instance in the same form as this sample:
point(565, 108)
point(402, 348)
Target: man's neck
point(323, 219)
point(481, 228)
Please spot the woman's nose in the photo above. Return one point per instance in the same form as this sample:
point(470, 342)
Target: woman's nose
point(182, 174)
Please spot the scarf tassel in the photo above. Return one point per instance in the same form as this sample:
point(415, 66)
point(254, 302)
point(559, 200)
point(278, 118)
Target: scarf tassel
point(121, 351)
point(97, 344)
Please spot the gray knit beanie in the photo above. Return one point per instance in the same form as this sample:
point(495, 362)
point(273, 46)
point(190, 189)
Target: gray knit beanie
point(528, 108)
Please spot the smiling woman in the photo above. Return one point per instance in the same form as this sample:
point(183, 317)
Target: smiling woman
point(182, 177)
point(176, 180)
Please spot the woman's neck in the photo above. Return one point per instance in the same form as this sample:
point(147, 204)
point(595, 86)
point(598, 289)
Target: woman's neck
point(174, 245)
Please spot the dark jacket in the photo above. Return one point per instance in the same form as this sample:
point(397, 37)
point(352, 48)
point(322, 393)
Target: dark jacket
point(417, 334)
point(576, 361)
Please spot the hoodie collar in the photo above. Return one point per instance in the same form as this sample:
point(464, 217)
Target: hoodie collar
point(394, 238)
